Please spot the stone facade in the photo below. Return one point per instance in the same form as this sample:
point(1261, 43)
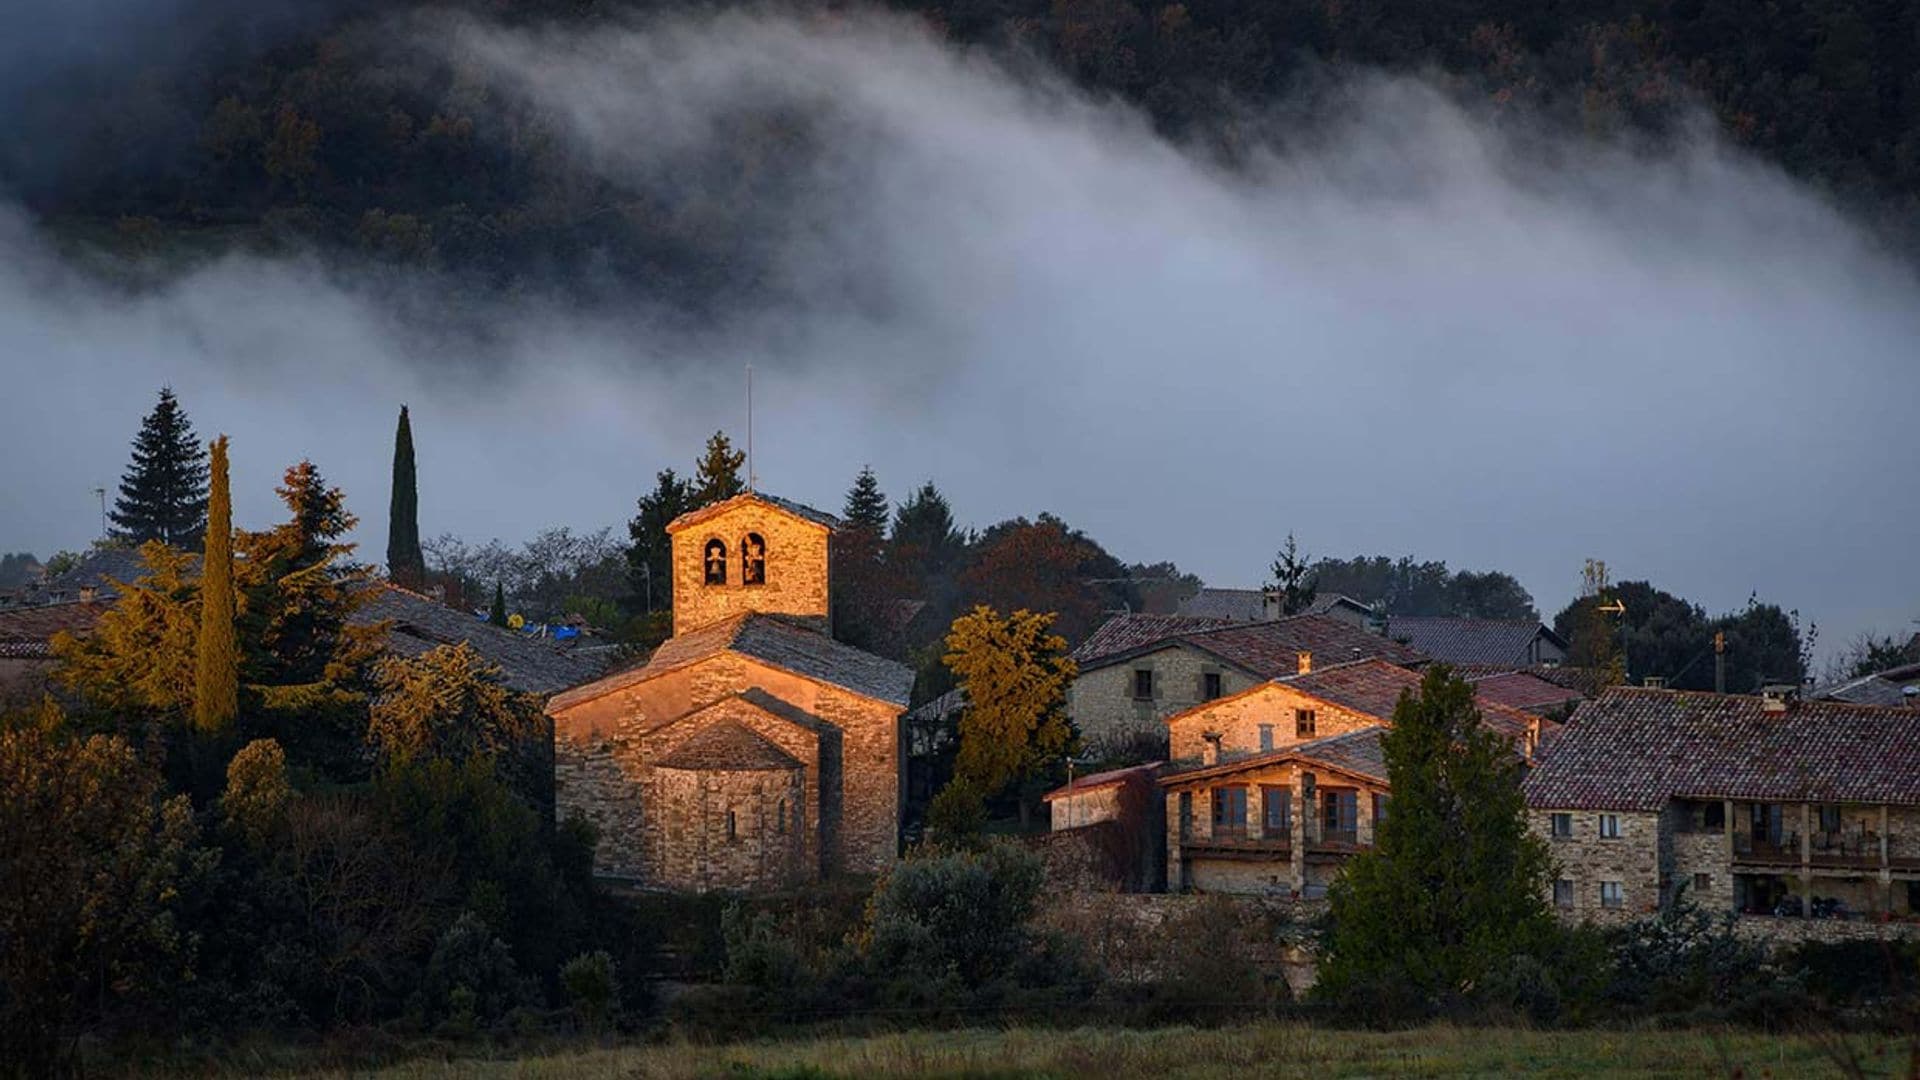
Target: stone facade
point(746, 754)
point(1238, 720)
point(1589, 862)
point(1295, 854)
point(1103, 706)
point(794, 577)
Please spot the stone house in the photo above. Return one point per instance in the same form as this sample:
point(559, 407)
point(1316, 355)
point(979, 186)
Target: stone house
point(1114, 820)
point(751, 750)
point(1137, 670)
point(1272, 789)
point(1769, 806)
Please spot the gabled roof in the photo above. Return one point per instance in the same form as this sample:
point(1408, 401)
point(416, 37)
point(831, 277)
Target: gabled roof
point(1522, 690)
point(787, 506)
point(1634, 748)
point(25, 632)
point(1263, 649)
point(1883, 688)
point(1472, 641)
point(1372, 687)
point(728, 746)
point(1082, 785)
point(772, 640)
point(420, 623)
point(1237, 605)
point(1355, 753)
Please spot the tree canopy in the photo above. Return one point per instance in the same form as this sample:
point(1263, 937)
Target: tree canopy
point(163, 494)
point(1015, 672)
point(405, 564)
point(717, 474)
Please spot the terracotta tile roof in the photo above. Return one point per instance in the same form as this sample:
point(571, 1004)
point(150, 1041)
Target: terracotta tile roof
point(1356, 753)
point(1472, 641)
point(420, 623)
point(1880, 689)
point(773, 640)
point(1633, 749)
point(727, 746)
point(1374, 687)
point(1128, 633)
point(805, 513)
point(1236, 605)
point(28, 629)
point(1111, 778)
point(1522, 690)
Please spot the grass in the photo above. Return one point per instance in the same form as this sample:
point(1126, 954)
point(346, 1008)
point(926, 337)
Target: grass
point(1264, 1049)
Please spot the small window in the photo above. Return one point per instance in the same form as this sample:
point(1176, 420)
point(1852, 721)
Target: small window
point(1209, 685)
point(1702, 883)
point(1563, 893)
point(733, 826)
point(1143, 684)
point(1610, 894)
point(1266, 736)
point(1829, 819)
point(1563, 826)
point(1715, 816)
point(1379, 808)
point(1276, 804)
point(1230, 807)
point(1340, 811)
point(753, 560)
point(716, 561)
point(1303, 724)
point(1609, 826)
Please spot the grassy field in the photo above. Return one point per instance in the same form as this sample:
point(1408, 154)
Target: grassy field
point(1275, 1049)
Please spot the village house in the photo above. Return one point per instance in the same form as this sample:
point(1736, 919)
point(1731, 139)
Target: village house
point(751, 750)
point(1765, 805)
point(1272, 789)
point(1137, 670)
point(1263, 605)
point(1504, 643)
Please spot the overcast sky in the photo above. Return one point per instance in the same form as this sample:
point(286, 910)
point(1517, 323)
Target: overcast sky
point(1406, 337)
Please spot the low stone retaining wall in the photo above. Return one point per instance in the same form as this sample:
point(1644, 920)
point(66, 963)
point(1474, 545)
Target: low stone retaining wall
point(1140, 937)
point(1785, 932)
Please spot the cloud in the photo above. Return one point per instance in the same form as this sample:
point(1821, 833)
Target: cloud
point(1404, 328)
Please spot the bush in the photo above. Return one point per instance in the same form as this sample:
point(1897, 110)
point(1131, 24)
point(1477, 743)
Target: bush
point(958, 815)
point(470, 978)
point(593, 989)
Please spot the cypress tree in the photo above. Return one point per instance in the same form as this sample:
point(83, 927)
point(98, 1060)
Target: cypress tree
point(866, 506)
point(497, 614)
point(406, 566)
point(216, 676)
point(717, 476)
point(163, 494)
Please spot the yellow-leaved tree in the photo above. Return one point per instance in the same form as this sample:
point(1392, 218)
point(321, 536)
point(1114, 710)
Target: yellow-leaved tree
point(216, 683)
point(1015, 672)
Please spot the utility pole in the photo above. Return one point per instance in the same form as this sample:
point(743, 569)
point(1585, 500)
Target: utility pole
point(1719, 661)
point(102, 494)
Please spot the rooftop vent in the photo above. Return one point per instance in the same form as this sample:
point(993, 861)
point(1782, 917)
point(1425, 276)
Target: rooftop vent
point(1779, 697)
point(1304, 660)
point(1654, 682)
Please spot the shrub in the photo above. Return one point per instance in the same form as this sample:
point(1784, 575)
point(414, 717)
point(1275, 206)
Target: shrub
point(593, 989)
point(470, 978)
point(958, 815)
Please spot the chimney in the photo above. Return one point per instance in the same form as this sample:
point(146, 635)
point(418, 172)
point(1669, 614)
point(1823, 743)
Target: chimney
point(1654, 682)
point(439, 593)
point(1210, 748)
point(89, 593)
point(1778, 698)
point(1304, 660)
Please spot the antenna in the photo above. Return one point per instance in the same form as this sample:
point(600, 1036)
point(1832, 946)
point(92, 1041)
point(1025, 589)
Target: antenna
point(753, 481)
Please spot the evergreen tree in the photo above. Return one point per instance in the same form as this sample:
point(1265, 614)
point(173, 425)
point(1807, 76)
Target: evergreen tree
point(406, 566)
point(924, 539)
point(1293, 578)
point(866, 506)
point(1455, 884)
point(650, 556)
point(497, 614)
point(717, 475)
point(298, 595)
point(163, 495)
point(216, 681)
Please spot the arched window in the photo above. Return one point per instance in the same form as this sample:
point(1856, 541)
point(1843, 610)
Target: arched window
point(733, 826)
point(753, 560)
point(716, 561)
point(780, 817)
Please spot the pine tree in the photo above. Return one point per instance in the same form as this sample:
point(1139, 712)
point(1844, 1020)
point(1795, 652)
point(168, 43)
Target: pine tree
point(406, 566)
point(216, 680)
point(650, 556)
point(163, 495)
point(866, 506)
point(497, 614)
point(299, 595)
point(1455, 884)
point(717, 475)
point(1293, 578)
point(924, 536)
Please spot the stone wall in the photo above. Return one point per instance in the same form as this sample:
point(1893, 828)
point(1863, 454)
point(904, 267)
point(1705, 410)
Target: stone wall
point(1084, 808)
point(1103, 707)
point(1139, 937)
point(723, 830)
point(1238, 720)
point(1587, 859)
point(797, 568)
point(604, 752)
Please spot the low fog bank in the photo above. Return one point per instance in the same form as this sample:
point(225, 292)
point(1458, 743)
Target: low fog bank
point(1407, 330)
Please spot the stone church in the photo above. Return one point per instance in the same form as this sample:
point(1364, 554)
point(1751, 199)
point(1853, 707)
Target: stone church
point(752, 750)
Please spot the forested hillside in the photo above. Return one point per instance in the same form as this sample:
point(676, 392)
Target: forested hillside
point(345, 129)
